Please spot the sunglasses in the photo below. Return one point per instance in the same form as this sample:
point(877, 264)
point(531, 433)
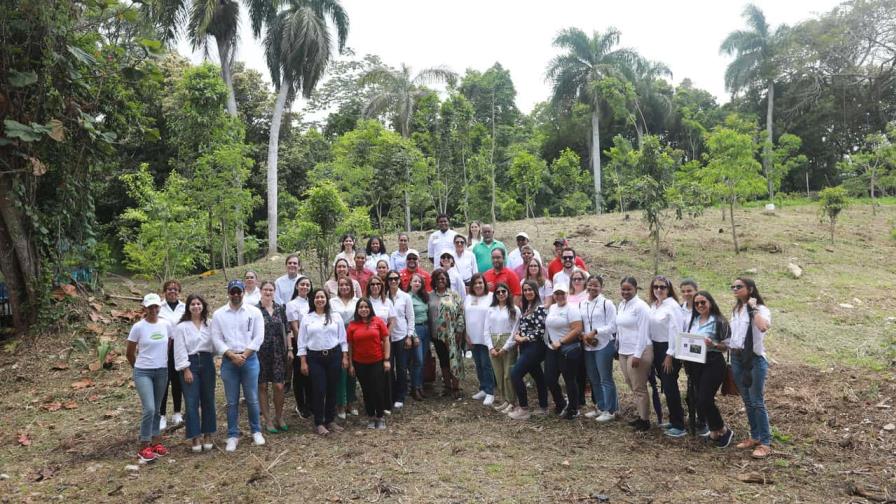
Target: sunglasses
point(393, 279)
point(501, 292)
point(376, 284)
point(737, 287)
point(660, 287)
point(701, 303)
point(568, 258)
point(578, 279)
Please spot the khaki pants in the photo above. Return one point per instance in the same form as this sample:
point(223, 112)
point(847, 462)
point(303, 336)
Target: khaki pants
point(502, 365)
point(636, 379)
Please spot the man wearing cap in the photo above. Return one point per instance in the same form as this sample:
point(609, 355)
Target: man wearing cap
point(237, 333)
point(528, 253)
point(284, 286)
point(413, 268)
point(515, 258)
point(557, 263)
point(441, 240)
point(500, 274)
point(483, 250)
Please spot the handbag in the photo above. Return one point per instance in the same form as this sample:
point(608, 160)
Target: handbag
point(729, 386)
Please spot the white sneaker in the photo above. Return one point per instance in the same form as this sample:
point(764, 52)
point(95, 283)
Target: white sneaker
point(341, 415)
point(163, 423)
point(606, 416)
point(197, 448)
point(468, 354)
point(398, 405)
point(258, 439)
point(520, 413)
point(489, 400)
point(208, 446)
point(177, 419)
point(231, 444)
point(593, 413)
point(479, 395)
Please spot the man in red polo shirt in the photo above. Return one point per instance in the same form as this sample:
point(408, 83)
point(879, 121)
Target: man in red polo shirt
point(413, 263)
point(500, 274)
point(557, 263)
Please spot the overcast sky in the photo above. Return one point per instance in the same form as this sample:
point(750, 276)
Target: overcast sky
point(461, 34)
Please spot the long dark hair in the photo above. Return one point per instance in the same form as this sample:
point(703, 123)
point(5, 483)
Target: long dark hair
point(342, 242)
point(478, 276)
point(536, 301)
point(389, 287)
point(188, 316)
point(713, 308)
point(752, 291)
point(669, 288)
point(370, 314)
point(295, 288)
point(313, 309)
point(422, 294)
point(508, 303)
point(382, 246)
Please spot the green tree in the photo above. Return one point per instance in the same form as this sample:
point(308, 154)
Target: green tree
point(565, 180)
point(528, 171)
point(731, 170)
point(298, 48)
point(873, 167)
point(756, 65)
point(623, 165)
point(653, 95)
point(576, 75)
point(786, 158)
point(832, 201)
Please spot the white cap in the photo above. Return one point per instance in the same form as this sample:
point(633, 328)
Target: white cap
point(152, 299)
point(522, 234)
point(414, 252)
point(561, 286)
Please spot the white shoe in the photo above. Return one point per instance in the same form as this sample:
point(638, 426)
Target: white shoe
point(593, 413)
point(479, 395)
point(468, 354)
point(489, 400)
point(520, 413)
point(231, 444)
point(163, 423)
point(398, 405)
point(341, 415)
point(258, 439)
point(208, 446)
point(606, 417)
point(197, 448)
point(507, 409)
point(177, 419)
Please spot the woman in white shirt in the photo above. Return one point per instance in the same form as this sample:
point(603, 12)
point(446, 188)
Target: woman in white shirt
point(376, 251)
point(253, 294)
point(464, 260)
point(296, 308)
point(750, 320)
point(382, 269)
point(341, 269)
point(500, 323)
point(563, 327)
point(323, 352)
point(384, 308)
point(536, 273)
point(474, 233)
point(347, 248)
point(635, 347)
point(401, 336)
point(476, 306)
point(147, 353)
point(665, 324)
point(446, 262)
point(398, 258)
point(599, 321)
point(194, 359)
point(344, 305)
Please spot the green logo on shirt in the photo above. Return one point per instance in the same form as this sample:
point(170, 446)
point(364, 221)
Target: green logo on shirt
point(156, 336)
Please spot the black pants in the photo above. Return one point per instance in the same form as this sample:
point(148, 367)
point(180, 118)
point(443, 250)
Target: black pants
point(582, 380)
point(442, 352)
point(372, 378)
point(323, 368)
point(177, 394)
point(669, 383)
point(708, 378)
point(529, 362)
point(556, 363)
point(301, 384)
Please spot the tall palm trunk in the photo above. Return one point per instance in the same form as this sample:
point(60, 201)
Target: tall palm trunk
point(595, 159)
point(273, 152)
point(226, 59)
point(767, 150)
point(406, 133)
point(492, 160)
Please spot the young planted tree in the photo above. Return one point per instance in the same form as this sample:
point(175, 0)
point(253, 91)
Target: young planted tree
point(623, 165)
point(832, 201)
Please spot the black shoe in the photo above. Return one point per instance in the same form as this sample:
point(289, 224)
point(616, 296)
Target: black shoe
point(634, 422)
point(725, 439)
point(642, 425)
point(570, 414)
point(560, 409)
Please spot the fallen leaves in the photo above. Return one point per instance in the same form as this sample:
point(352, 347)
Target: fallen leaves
point(129, 315)
point(82, 383)
point(51, 406)
point(43, 474)
point(24, 439)
point(63, 291)
point(59, 366)
point(70, 405)
point(754, 477)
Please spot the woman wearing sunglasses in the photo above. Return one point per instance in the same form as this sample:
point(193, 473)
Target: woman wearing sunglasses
point(635, 347)
point(665, 324)
point(750, 320)
point(500, 322)
point(476, 308)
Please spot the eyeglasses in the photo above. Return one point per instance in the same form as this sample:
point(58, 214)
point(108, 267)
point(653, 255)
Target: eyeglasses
point(660, 287)
point(737, 287)
point(393, 279)
point(501, 292)
point(578, 279)
point(701, 303)
point(568, 258)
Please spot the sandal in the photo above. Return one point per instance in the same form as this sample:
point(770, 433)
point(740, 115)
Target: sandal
point(762, 451)
point(322, 431)
point(747, 443)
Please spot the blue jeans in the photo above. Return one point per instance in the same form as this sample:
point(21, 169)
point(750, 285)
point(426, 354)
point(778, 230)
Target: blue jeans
point(398, 373)
point(599, 365)
point(323, 368)
point(484, 372)
point(419, 353)
point(150, 385)
point(529, 362)
point(246, 376)
point(200, 395)
point(754, 398)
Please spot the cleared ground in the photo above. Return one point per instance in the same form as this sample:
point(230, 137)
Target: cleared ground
point(68, 432)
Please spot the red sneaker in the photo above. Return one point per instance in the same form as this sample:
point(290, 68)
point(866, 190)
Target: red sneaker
point(146, 454)
point(159, 450)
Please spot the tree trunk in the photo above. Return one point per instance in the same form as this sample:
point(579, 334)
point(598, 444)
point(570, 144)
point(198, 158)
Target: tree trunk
point(226, 59)
point(463, 161)
point(595, 160)
point(767, 149)
point(656, 252)
point(406, 133)
point(19, 261)
point(492, 161)
point(733, 230)
point(273, 153)
point(832, 231)
point(873, 196)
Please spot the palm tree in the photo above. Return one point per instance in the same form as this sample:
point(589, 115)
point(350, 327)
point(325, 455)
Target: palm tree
point(298, 47)
point(575, 75)
point(755, 66)
point(646, 77)
point(398, 92)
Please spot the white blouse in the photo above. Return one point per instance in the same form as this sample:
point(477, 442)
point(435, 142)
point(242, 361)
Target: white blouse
point(475, 309)
point(598, 315)
point(296, 309)
point(559, 320)
point(497, 321)
point(457, 283)
point(383, 309)
point(403, 308)
point(665, 323)
point(633, 327)
point(372, 259)
point(316, 334)
point(346, 310)
point(740, 321)
point(252, 298)
point(189, 340)
point(466, 264)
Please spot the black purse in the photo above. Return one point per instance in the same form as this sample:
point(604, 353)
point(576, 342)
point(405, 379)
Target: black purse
point(746, 355)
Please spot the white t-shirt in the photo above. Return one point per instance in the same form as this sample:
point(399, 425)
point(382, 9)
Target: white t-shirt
point(598, 315)
point(475, 309)
point(440, 242)
point(665, 323)
point(559, 319)
point(152, 343)
point(515, 258)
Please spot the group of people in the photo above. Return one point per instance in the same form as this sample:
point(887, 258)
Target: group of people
point(377, 321)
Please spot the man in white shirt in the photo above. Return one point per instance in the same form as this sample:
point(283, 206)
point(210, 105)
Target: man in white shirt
point(440, 240)
point(237, 333)
point(171, 311)
point(284, 286)
point(568, 258)
point(515, 258)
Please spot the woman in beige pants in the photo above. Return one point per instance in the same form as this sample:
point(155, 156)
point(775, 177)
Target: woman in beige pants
point(500, 322)
point(635, 348)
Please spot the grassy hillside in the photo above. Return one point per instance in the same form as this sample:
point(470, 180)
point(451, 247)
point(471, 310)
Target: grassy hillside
point(69, 432)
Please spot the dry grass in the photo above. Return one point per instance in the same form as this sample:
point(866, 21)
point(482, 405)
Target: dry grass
point(830, 392)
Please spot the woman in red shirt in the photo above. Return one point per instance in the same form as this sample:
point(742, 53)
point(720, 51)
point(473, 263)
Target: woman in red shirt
point(368, 350)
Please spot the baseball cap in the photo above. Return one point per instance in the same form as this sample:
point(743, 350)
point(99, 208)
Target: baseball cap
point(236, 284)
point(561, 287)
point(413, 252)
point(522, 234)
point(559, 241)
point(152, 299)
